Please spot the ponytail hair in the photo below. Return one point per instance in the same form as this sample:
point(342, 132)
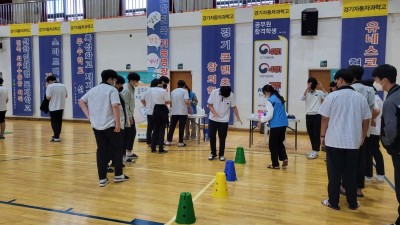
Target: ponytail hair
point(268, 88)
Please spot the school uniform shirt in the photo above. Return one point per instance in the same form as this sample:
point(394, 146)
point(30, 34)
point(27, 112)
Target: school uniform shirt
point(57, 93)
point(100, 100)
point(346, 110)
point(129, 96)
point(221, 105)
point(148, 98)
point(3, 98)
point(378, 121)
point(178, 97)
point(367, 92)
point(313, 101)
point(160, 96)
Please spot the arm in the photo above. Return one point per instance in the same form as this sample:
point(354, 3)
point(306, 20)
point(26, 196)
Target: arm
point(375, 113)
point(195, 101)
point(389, 123)
point(116, 113)
point(212, 110)
point(84, 108)
point(324, 127)
point(322, 88)
point(270, 112)
point(236, 111)
point(189, 106)
point(143, 102)
point(365, 128)
point(303, 97)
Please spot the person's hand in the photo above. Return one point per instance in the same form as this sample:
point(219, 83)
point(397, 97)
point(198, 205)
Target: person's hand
point(215, 114)
point(373, 123)
point(322, 141)
point(309, 86)
point(319, 84)
point(240, 121)
point(117, 129)
point(259, 124)
point(190, 111)
point(131, 121)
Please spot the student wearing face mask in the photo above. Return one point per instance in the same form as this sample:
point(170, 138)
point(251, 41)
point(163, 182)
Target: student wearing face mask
point(276, 116)
point(385, 79)
point(129, 95)
point(313, 99)
point(332, 86)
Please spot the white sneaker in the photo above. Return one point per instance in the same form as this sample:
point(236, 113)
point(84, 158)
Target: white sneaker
point(211, 157)
point(181, 145)
point(103, 182)
point(221, 158)
point(167, 143)
point(309, 153)
point(379, 178)
point(121, 178)
point(312, 155)
point(368, 179)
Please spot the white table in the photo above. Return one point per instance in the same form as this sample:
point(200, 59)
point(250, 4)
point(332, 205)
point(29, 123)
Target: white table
point(257, 119)
point(198, 118)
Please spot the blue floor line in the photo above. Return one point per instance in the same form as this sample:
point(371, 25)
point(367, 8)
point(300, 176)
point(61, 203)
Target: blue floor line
point(69, 212)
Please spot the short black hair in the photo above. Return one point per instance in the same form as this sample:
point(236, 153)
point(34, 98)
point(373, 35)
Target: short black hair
point(107, 74)
point(225, 91)
point(154, 83)
point(164, 79)
point(51, 78)
point(1, 80)
point(357, 71)
point(311, 79)
point(345, 74)
point(332, 84)
point(385, 71)
point(120, 80)
point(133, 76)
point(181, 83)
point(313, 82)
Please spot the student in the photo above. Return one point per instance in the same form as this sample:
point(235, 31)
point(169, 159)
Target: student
point(345, 121)
point(101, 106)
point(313, 99)
point(332, 86)
point(160, 114)
point(372, 142)
point(220, 102)
point(191, 122)
point(129, 95)
point(385, 77)
point(276, 116)
point(180, 104)
point(56, 93)
point(147, 101)
point(3, 108)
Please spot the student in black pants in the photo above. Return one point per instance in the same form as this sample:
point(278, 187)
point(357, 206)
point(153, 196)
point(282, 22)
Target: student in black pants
point(147, 101)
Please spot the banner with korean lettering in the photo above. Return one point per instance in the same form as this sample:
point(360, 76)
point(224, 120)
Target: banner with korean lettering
point(158, 37)
point(82, 61)
point(50, 54)
point(218, 44)
point(364, 26)
point(271, 32)
point(21, 69)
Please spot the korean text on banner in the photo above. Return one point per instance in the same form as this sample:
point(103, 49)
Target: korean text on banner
point(83, 61)
point(21, 69)
point(158, 37)
point(50, 54)
point(271, 32)
point(218, 42)
point(364, 27)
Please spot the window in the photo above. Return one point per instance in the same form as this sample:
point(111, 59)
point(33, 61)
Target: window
point(135, 7)
point(62, 10)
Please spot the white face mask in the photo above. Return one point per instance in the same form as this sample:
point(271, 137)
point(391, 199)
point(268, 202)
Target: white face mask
point(136, 85)
point(378, 86)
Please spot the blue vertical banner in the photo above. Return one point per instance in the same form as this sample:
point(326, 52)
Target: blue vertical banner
point(271, 32)
point(82, 61)
point(21, 69)
point(158, 37)
point(218, 44)
point(50, 54)
point(364, 26)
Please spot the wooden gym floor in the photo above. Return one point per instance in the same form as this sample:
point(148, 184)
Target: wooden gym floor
point(56, 183)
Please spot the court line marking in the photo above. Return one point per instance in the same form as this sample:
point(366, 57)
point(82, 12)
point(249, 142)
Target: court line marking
point(194, 199)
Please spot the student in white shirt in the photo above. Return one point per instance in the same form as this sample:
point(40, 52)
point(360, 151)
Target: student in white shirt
point(101, 105)
point(344, 126)
point(147, 101)
point(3, 107)
point(313, 99)
point(220, 102)
point(179, 105)
point(56, 93)
point(191, 122)
point(160, 114)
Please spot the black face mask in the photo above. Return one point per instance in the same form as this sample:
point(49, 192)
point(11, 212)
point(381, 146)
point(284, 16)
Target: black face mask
point(120, 89)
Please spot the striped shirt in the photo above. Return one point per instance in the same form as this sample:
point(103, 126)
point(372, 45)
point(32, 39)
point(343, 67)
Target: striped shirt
point(346, 110)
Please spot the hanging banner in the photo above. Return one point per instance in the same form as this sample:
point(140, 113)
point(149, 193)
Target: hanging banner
point(158, 37)
point(50, 54)
point(82, 61)
point(218, 44)
point(364, 27)
point(21, 69)
point(271, 32)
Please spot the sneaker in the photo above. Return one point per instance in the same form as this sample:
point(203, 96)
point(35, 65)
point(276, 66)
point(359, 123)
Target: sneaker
point(162, 151)
point(211, 157)
point(129, 160)
point(221, 158)
point(309, 153)
point(121, 178)
point(167, 143)
point(327, 204)
point(110, 170)
point(356, 207)
point(368, 179)
point(181, 145)
point(153, 151)
point(133, 156)
point(103, 182)
point(313, 155)
point(2, 137)
point(379, 178)
point(55, 140)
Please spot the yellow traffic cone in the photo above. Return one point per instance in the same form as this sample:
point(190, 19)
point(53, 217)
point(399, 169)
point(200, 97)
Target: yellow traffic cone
point(220, 186)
